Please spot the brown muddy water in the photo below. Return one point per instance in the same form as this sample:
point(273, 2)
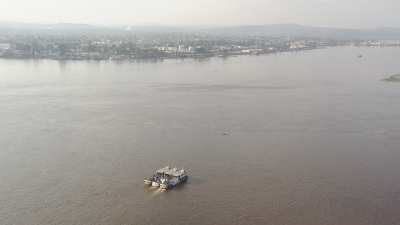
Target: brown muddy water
point(289, 139)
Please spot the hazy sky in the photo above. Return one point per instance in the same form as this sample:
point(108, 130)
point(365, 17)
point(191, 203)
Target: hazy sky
point(336, 13)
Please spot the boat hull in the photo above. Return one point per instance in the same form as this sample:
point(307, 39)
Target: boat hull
point(174, 183)
point(147, 182)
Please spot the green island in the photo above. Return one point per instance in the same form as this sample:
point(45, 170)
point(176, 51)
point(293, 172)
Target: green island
point(393, 78)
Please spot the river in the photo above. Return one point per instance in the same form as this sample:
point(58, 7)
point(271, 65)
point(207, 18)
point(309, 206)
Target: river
point(296, 138)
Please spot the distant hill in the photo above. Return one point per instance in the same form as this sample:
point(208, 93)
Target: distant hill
point(58, 28)
point(293, 30)
point(275, 30)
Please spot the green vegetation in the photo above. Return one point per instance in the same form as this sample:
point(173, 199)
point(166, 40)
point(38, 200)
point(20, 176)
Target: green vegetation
point(393, 78)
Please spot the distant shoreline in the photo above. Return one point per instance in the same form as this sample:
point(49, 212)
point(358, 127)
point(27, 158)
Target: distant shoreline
point(198, 56)
point(195, 56)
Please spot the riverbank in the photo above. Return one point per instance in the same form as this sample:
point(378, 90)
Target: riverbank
point(158, 57)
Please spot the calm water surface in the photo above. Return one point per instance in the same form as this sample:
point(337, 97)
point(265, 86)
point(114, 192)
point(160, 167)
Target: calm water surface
point(313, 138)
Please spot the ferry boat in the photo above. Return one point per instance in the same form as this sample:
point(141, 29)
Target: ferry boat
point(166, 178)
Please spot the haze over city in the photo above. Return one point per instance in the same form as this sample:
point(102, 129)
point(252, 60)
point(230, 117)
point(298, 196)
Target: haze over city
point(327, 13)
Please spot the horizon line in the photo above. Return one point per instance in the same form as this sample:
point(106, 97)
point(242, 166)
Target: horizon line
point(192, 25)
